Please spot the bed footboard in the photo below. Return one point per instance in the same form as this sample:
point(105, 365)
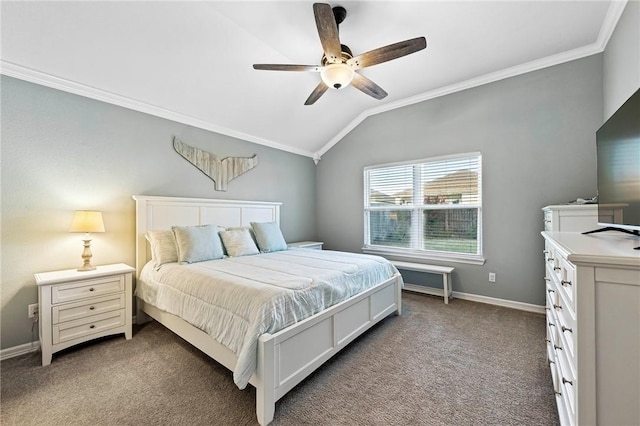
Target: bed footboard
point(289, 356)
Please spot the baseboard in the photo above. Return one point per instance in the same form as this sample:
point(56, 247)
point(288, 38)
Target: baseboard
point(478, 298)
point(35, 346)
point(529, 307)
point(19, 350)
point(26, 348)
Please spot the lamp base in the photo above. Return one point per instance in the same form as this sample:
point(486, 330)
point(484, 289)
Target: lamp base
point(86, 267)
point(86, 257)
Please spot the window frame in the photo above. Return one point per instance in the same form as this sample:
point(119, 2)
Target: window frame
point(418, 208)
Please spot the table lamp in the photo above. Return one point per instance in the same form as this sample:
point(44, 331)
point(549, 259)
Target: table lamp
point(87, 221)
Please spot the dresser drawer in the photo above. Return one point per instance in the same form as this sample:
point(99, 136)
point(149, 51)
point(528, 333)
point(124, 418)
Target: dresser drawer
point(84, 327)
point(89, 288)
point(567, 385)
point(88, 307)
point(567, 277)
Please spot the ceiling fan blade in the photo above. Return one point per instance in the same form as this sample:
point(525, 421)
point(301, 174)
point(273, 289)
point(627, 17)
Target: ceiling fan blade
point(286, 67)
point(317, 92)
point(387, 53)
point(328, 32)
point(367, 86)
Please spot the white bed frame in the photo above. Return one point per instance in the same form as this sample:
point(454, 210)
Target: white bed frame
point(288, 356)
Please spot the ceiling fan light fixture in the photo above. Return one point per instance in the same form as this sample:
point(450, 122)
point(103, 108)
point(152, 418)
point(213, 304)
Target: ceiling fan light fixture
point(337, 76)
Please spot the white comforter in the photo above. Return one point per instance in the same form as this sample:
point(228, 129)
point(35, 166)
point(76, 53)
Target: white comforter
point(235, 300)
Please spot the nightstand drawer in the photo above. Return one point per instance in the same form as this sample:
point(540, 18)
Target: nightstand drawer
point(89, 288)
point(86, 326)
point(85, 308)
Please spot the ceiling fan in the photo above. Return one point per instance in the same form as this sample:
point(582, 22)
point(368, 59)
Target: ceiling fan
point(338, 66)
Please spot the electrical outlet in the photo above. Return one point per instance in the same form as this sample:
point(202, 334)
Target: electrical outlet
point(492, 277)
point(33, 310)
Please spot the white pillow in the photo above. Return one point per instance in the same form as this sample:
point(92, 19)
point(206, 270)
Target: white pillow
point(269, 236)
point(238, 242)
point(163, 247)
point(197, 243)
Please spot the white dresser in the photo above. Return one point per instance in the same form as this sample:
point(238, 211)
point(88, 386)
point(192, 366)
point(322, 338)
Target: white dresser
point(578, 217)
point(593, 326)
point(78, 306)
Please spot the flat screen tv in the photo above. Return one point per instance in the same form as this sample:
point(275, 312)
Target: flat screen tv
point(618, 161)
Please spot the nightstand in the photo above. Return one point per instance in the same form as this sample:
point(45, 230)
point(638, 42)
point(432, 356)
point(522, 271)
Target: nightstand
point(316, 245)
point(78, 306)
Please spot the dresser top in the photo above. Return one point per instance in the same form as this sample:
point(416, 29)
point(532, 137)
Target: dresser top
point(54, 277)
point(612, 248)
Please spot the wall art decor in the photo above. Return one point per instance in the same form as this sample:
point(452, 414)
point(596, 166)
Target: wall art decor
point(220, 171)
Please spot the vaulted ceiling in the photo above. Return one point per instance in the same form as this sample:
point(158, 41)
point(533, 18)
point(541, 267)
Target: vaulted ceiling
point(192, 61)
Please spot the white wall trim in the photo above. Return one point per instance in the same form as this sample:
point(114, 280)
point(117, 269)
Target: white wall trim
point(468, 84)
point(35, 345)
point(19, 350)
point(608, 26)
point(606, 31)
point(27, 348)
point(521, 306)
point(529, 307)
point(27, 74)
point(616, 8)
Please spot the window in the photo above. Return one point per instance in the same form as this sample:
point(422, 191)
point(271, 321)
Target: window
point(429, 208)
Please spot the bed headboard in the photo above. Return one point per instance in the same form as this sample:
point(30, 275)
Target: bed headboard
point(157, 213)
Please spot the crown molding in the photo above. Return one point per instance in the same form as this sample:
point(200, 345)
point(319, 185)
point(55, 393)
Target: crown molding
point(616, 8)
point(27, 74)
point(606, 31)
point(614, 13)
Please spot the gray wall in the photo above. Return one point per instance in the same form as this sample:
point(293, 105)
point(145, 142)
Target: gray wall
point(622, 60)
point(536, 133)
point(61, 152)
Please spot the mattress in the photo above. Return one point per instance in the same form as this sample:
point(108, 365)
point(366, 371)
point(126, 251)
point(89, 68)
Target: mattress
point(237, 299)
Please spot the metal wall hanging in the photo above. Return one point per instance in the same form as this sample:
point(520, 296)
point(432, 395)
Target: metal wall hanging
point(221, 172)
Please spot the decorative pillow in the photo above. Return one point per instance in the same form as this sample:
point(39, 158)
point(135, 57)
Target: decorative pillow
point(163, 247)
point(248, 228)
point(197, 243)
point(238, 242)
point(269, 236)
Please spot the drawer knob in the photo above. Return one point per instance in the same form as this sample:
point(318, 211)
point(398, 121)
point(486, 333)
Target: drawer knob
point(565, 283)
point(551, 362)
point(551, 291)
point(547, 340)
point(566, 329)
point(567, 381)
point(550, 259)
point(556, 268)
point(552, 324)
point(557, 306)
point(92, 289)
point(558, 393)
point(547, 221)
point(92, 326)
point(91, 308)
point(545, 251)
point(557, 347)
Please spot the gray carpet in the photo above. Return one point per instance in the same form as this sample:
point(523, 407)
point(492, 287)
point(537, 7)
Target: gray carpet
point(459, 364)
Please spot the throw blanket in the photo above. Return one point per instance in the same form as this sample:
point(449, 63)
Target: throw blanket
point(237, 299)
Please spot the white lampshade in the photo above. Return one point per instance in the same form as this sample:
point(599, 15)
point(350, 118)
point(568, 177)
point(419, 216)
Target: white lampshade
point(337, 76)
point(87, 221)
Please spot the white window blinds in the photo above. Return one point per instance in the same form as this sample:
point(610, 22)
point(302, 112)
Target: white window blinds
point(427, 206)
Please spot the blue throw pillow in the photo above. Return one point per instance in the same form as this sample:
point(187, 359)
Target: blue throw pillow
point(269, 236)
